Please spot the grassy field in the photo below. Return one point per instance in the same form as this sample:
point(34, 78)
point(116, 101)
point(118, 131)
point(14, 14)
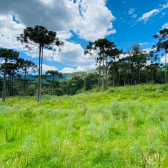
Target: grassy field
point(122, 127)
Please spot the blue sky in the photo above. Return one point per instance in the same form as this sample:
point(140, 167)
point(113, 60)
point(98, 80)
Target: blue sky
point(78, 22)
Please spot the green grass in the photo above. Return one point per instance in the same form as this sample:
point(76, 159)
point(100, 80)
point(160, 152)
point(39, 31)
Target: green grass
point(122, 127)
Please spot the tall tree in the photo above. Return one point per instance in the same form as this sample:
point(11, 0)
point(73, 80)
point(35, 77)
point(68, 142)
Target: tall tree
point(7, 54)
point(138, 59)
point(11, 70)
point(101, 45)
point(53, 74)
point(113, 53)
point(25, 65)
point(124, 65)
point(152, 57)
point(44, 39)
point(162, 45)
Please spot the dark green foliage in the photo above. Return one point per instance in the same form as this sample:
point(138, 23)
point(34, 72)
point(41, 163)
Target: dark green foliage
point(162, 45)
point(105, 48)
point(90, 80)
point(7, 54)
point(31, 90)
point(52, 73)
point(58, 92)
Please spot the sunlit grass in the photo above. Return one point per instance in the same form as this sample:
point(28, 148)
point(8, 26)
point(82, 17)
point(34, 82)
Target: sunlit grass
point(122, 127)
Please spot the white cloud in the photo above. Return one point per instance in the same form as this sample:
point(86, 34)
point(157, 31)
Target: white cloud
point(147, 15)
point(2, 62)
point(73, 55)
point(153, 12)
point(94, 24)
point(85, 68)
point(134, 16)
point(64, 35)
point(46, 68)
point(83, 17)
point(123, 56)
point(134, 24)
point(162, 60)
point(68, 70)
point(131, 11)
point(9, 30)
point(164, 6)
point(147, 50)
point(164, 13)
point(79, 68)
point(145, 43)
point(165, 26)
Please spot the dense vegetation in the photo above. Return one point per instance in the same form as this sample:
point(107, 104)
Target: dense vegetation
point(122, 127)
point(114, 68)
point(79, 126)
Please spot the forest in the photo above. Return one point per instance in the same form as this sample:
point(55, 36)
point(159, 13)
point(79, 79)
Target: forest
point(114, 67)
point(112, 116)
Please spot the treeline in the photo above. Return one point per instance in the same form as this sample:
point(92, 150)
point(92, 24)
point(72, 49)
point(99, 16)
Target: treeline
point(114, 67)
point(11, 71)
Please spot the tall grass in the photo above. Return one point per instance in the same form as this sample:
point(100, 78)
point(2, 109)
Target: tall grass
point(122, 127)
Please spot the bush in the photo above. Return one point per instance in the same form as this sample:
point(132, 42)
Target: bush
point(31, 90)
point(58, 92)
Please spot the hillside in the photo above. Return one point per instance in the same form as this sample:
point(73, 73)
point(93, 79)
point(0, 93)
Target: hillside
point(122, 127)
point(32, 77)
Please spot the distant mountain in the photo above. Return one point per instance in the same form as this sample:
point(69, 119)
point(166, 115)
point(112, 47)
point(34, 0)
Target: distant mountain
point(66, 76)
point(32, 77)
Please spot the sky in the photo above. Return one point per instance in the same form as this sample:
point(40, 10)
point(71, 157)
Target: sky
point(124, 22)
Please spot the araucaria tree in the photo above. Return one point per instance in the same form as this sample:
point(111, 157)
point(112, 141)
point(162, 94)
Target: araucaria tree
point(6, 55)
point(162, 45)
point(153, 58)
point(44, 39)
point(25, 65)
point(53, 74)
point(139, 56)
point(100, 45)
point(113, 53)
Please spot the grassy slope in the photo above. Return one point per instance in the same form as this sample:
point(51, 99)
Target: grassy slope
point(122, 127)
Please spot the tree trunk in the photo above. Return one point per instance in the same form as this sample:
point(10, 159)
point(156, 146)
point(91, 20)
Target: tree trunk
point(152, 74)
point(25, 82)
point(38, 85)
point(125, 77)
point(103, 77)
point(119, 78)
point(165, 68)
point(8, 87)
point(4, 83)
point(114, 73)
point(147, 76)
point(41, 73)
point(139, 76)
point(132, 74)
point(12, 84)
point(99, 76)
point(106, 71)
point(52, 84)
